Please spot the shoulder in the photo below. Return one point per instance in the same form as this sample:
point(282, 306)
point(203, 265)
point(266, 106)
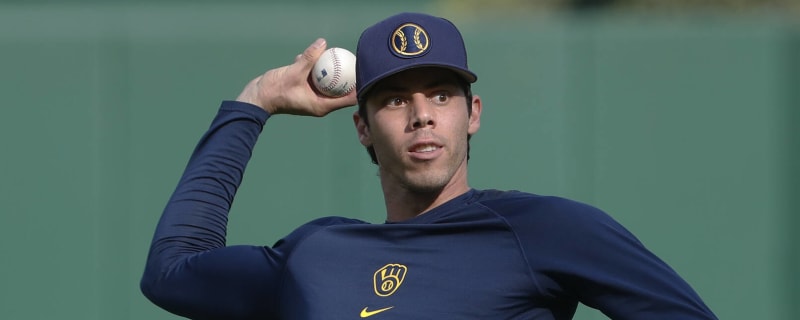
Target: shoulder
point(539, 216)
point(576, 250)
point(311, 227)
point(330, 221)
point(517, 203)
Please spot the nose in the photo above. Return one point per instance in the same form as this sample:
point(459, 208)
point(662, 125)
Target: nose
point(422, 113)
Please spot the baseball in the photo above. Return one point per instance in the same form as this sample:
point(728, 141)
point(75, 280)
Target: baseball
point(334, 74)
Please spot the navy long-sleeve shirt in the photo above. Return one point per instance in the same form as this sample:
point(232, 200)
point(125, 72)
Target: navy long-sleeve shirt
point(486, 254)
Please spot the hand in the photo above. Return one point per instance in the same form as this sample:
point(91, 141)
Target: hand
point(289, 90)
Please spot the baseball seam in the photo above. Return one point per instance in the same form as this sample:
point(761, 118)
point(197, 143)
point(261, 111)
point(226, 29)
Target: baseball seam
point(337, 73)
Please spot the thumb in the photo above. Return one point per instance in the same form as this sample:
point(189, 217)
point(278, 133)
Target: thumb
point(311, 54)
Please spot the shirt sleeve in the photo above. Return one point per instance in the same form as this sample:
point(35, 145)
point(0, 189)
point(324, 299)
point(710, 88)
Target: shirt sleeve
point(576, 251)
point(189, 269)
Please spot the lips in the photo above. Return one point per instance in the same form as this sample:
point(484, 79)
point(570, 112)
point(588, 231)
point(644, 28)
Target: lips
point(425, 150)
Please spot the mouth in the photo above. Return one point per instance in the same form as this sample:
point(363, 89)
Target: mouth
point(425, 150)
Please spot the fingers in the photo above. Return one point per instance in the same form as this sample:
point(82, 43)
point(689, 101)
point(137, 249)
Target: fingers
point(340, 102)
point(349, 99)
point(288, 89)
point(311, 54)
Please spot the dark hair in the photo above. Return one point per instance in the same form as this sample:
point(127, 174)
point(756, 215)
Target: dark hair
point(362, 112)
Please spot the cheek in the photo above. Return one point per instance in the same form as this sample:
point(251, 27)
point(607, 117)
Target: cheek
point(460, 124)
point(385, 128)
point(384, 140)
point(379, 135)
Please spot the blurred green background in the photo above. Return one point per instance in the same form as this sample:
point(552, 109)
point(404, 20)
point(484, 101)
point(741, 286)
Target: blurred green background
point(678, 118)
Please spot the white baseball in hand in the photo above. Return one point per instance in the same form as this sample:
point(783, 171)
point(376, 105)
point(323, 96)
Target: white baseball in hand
point(334, 74)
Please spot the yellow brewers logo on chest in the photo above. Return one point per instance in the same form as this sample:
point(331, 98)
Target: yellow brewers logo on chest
point(410, 40)
point(388, 279)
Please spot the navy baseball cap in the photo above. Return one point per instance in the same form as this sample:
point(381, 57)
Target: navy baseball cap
point(405, 41)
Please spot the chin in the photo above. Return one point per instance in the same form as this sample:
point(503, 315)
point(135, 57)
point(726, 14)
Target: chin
point(428, 183)
point(426, 189)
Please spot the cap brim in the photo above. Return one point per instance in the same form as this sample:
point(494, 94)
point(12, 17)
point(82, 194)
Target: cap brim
point(467, 75)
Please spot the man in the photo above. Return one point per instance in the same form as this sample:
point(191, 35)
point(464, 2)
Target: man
point(446, 251)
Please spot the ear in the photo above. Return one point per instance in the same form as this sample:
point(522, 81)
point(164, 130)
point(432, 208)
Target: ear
point(475, 116)
point(362, 129)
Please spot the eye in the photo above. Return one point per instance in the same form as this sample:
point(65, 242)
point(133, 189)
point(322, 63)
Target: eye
point(395, 102)
point(441, 97)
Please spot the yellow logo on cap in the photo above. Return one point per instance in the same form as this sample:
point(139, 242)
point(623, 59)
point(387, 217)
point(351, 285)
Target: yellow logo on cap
point(419, 40)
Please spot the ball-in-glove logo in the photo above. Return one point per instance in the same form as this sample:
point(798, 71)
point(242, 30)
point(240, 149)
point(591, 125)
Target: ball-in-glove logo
point(387, 279)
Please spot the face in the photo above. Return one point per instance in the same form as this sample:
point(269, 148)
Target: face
point(418, 125)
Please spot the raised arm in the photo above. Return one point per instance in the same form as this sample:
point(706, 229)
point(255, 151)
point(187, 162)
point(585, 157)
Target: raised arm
point(190, 271)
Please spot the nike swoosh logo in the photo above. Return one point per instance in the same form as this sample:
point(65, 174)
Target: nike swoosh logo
point(365, 313)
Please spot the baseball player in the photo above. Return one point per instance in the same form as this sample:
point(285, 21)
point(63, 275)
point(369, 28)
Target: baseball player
point(446, 250)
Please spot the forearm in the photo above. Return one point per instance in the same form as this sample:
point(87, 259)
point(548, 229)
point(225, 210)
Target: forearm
point(189, 269)
point(196, 214)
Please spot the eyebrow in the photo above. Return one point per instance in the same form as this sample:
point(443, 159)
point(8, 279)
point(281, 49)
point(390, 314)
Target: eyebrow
point(432, 84)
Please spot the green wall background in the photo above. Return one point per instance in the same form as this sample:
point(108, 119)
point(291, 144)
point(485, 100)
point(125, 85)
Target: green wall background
point(682, 127)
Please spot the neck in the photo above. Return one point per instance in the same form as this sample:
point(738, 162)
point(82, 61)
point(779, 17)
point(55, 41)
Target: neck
point(403, 203)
